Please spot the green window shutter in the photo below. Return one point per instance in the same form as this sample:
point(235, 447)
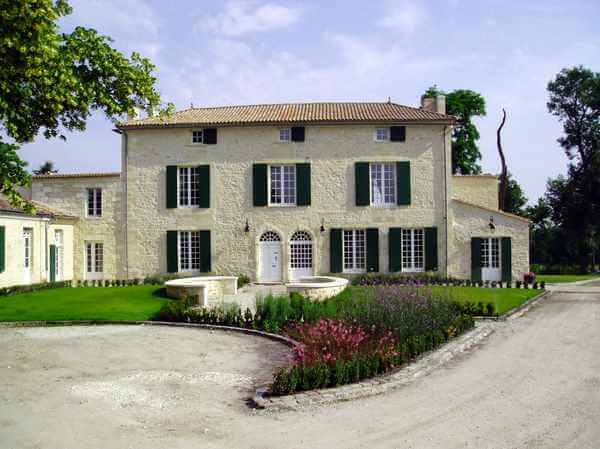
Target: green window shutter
point(303, 184)
point(335, 251)
point(172, 252)
point(431, 249)
point(2, 248)
point(506, 249)
point(259, 184)
point(297, 133)
point(52, 263)
point(205, 253)
point(397, 133)
point(403, 182)
point(209, 136)
point(476, 259)
point(395, 249)
point(361, 181)
point(204, 186)
point(372, 250)
point(171, 187)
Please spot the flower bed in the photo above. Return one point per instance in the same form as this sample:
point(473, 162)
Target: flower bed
point(430, 279)
point(345, 338)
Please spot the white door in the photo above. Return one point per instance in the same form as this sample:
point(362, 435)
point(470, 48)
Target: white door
point(270, 257)
point(301, 256)
point(58, 241)
point(94, 260)
point(27, 252)
point(491, 269)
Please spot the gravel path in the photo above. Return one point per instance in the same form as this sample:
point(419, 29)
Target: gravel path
point(534, 383)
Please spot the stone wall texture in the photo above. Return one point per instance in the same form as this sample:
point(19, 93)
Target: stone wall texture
point(476, 189)
point(69, 195)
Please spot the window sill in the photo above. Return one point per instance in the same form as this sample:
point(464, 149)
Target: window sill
point(282, 205)
point(354, 271)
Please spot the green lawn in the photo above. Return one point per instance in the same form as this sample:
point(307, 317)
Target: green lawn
point(504, 299)
point(86, 303)
point(560, 278)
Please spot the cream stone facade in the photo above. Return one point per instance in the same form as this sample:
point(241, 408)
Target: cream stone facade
point(144, 224)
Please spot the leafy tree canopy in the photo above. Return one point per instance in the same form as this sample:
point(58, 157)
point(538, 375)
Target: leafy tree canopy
point(52, 81)
point(46, 168)
point(464, 104)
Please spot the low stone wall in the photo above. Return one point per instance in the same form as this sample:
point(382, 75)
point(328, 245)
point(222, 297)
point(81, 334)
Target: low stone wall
point(318, 288)
point(207, 289)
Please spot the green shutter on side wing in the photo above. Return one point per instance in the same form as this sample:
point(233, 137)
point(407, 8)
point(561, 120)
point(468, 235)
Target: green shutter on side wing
point(172, 259)
point(259, 184)
point(361, 183)
point(52, 263)
point(506, 259)
point(372, 250)
point(335, 250)
point(303, 191)
point(171, 187)
point(476, 259)
point(431, 249)
point(2, 248)
point(204, 186)
point(403, 183)
point(395, 249)
point(205, 252)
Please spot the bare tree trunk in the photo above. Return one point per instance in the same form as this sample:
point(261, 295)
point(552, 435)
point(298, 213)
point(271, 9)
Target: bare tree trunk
point(502, 200)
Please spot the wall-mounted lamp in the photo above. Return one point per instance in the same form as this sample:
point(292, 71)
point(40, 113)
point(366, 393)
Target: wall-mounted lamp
point(491, 224)
point(247, 227)
point(322, 228)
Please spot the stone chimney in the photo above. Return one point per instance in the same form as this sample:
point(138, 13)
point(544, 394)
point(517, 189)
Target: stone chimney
point(434, 104)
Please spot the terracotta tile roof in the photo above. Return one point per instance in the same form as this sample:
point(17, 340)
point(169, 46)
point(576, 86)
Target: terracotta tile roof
point(41, 210)
point(266, 114)
point(489, 209)
point(77, 175)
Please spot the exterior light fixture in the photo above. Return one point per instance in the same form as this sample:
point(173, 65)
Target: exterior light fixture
point(322, 228)
point(491, 224)
point(247, 227)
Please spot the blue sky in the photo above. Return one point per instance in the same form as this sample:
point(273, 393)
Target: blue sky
point(240, 52)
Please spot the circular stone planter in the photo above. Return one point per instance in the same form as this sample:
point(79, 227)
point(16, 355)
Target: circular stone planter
point(205, 288)
point(318, 287)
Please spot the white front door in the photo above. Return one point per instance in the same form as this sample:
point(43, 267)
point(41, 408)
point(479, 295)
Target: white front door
point(491, 269)
point(27, 252)
point(270, 261)
point(58, 241)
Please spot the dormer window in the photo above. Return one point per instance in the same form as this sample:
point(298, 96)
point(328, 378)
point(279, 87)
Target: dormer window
point(382, 134)
point(197, 136)
point(285, 134)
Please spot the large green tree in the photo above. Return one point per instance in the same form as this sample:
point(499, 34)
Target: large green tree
point(464, 104)
point(52, 81)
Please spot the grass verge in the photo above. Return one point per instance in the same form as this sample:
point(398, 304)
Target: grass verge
point(562, 278)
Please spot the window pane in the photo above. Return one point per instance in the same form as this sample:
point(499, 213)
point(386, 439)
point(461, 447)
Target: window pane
point(285, 134)
point(184, 186)
point(495, 253)
point(195, 251)
point(99, 258)
point(382, 134)
point(289, 184)
point(184, 250)
point(485, 262)
point(360, 249)
point(276, 188)
point(418, 249)
point(194, 180)
point(88, 251)
point(389, 183)
point(376, 184)
point(196, 136)
point(348, 250)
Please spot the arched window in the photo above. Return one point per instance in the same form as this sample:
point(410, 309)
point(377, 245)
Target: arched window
point(301, 250)
point(270, 236)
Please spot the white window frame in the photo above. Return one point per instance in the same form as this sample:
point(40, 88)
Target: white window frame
point(491, 252)
point(27, 248)
point(356, 256)
point(192, 199)
point(381, 135)
point(96, 204)
point(415, 262)
point(59, 244)
point(386, 198)
point(285, 135)
point(192, 260)
point(193, 137)
point(91, 259)
point(282, 186)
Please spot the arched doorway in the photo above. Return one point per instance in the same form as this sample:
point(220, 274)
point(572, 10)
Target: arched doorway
point(270, 257)
point(301, 255)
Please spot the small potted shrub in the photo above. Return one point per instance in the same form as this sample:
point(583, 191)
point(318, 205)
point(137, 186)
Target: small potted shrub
point(529, 278)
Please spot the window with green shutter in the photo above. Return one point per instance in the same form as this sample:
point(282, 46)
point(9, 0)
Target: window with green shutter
point(172, 252)
point(335, 250)
point(506, 259)
point(395, 249)
point(361, 181)
point(431, 249)
point(403, 183)
point(205, 252)
point(476, 259)
point(203, 186)
point(2, 248)
point(52, 263)
point(303, 192)
point(259, 184)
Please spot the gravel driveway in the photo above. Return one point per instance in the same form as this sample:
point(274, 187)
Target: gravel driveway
point(535, 383)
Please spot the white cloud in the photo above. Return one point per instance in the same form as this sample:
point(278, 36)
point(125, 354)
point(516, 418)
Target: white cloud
point(244, 17)
point(405, 16)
